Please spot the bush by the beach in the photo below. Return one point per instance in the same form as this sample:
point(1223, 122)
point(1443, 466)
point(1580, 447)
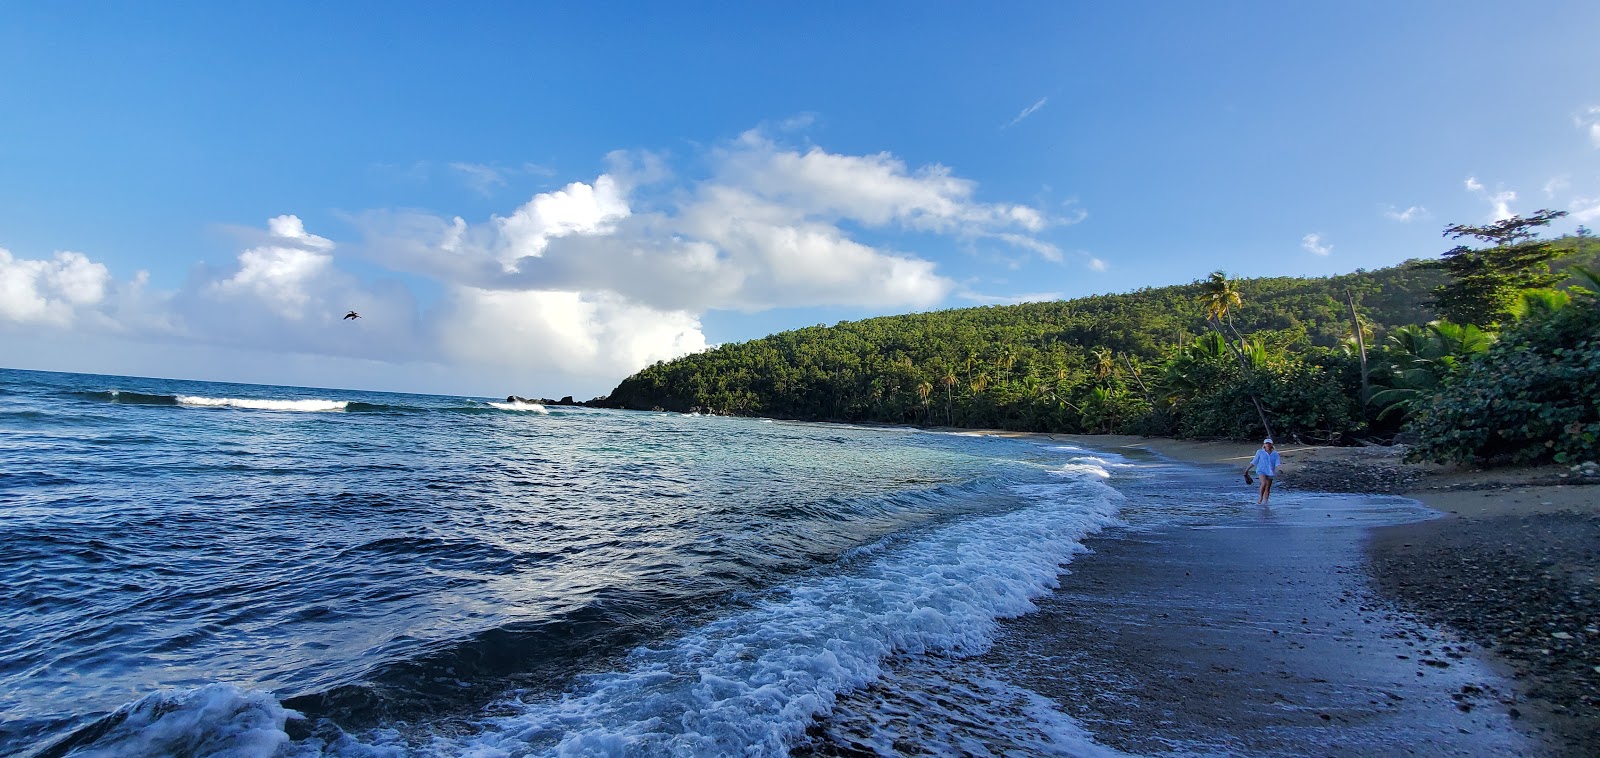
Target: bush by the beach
point(1530, 399)
point(1306, 401)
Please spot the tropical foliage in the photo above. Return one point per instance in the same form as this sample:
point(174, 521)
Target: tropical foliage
point(1221, 357)
point(1534, 395)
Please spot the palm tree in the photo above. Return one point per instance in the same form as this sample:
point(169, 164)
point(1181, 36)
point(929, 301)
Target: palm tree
point(1104, 364)
point(1423, 357)
point(1219, 296)
point(923, 391)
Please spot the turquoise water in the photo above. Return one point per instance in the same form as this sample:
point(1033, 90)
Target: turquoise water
point(199, 568)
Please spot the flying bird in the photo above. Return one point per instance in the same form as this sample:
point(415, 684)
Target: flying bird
point(351, 315)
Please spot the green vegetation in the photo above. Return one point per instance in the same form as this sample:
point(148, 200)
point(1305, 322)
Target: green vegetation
point(1533, 396)
point(1223, 357)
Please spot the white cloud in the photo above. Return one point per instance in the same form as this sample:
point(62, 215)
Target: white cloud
point(1556, 184)
point(281, 273)
point(1589, 121)
point(1408, 215)
point(49, 291)
point(1500, 200)
point(485, 179)
point(482, 179)
point(590, 335)
point(1585, 209)
point(577, 208)
point(876, 190)
point(1026, 112)
point(1096, 264)
point(766, 228)
point(589, 282)
point(1029, 297)
point(1313, 244)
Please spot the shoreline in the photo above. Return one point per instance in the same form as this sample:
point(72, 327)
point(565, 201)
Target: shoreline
point(1510, 569)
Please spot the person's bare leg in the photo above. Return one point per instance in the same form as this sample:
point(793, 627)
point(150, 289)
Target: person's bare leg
point(1266, 489)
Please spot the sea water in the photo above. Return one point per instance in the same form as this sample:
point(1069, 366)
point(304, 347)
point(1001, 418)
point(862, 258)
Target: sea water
point(204, 568)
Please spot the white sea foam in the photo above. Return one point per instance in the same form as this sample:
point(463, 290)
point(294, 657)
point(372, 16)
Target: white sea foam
point(751, 683)
point(217, 719)
point(518, 405)
point(265, 405)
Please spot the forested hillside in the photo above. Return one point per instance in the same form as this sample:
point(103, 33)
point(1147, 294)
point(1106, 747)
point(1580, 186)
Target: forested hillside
point(1148, 361)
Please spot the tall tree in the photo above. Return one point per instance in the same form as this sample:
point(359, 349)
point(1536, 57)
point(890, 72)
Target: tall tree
point(1485, 282)
point(1219, 296)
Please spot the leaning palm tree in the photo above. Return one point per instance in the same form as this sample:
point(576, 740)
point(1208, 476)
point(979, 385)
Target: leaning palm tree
point(1219, 296)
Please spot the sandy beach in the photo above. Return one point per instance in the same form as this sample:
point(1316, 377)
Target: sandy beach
point(1473, 632)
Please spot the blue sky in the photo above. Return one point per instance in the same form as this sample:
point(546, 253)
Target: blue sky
point(538, 199)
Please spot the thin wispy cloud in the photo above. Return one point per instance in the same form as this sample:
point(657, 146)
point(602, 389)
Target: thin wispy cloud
point(1313, 244)
point(1556, 184)
point(485, 179)
point(1029, 297)
point(1406, 216)
point(1026, 112)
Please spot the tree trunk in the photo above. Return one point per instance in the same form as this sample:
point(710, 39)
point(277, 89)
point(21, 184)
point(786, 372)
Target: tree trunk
point(1244, 365)
point(1361, 345)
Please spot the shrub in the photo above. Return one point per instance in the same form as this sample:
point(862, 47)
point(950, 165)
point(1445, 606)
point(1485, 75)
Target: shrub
point(1534, 397)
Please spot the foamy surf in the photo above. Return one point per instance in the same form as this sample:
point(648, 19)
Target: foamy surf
point(517, 405)
point(260, 404)
point(217, 719)
point(753, 682)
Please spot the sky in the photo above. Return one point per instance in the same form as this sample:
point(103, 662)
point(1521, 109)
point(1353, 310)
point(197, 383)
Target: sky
point(540, 199)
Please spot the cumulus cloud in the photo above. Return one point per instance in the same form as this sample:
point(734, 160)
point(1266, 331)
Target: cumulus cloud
point(1312, 243)
point(1408, 215)
point(280, 273)
point(591, 335)
point(1499, 200)
point(595, 279)
point(769, 226)
point(50, 291)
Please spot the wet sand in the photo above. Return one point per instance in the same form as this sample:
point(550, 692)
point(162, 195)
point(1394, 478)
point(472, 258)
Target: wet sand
point(1256, 632)
point(1507, 576)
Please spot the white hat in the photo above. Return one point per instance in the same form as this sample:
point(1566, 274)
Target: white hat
point(1267, 441)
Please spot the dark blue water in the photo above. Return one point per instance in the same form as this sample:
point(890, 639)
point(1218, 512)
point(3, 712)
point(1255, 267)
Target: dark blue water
point(203, 568)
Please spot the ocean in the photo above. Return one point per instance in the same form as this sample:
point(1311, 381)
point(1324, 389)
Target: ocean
point(196, 568)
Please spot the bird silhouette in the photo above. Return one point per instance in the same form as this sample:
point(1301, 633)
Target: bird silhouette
point(351, 315)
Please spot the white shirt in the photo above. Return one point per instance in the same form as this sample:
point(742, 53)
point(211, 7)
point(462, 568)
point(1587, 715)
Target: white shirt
point(1265, 463)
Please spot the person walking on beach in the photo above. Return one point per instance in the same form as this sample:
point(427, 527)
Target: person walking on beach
point(1266, 465)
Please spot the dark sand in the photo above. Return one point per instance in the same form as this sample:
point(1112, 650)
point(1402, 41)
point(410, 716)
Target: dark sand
point(1258, 638)
point(1526, 587)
